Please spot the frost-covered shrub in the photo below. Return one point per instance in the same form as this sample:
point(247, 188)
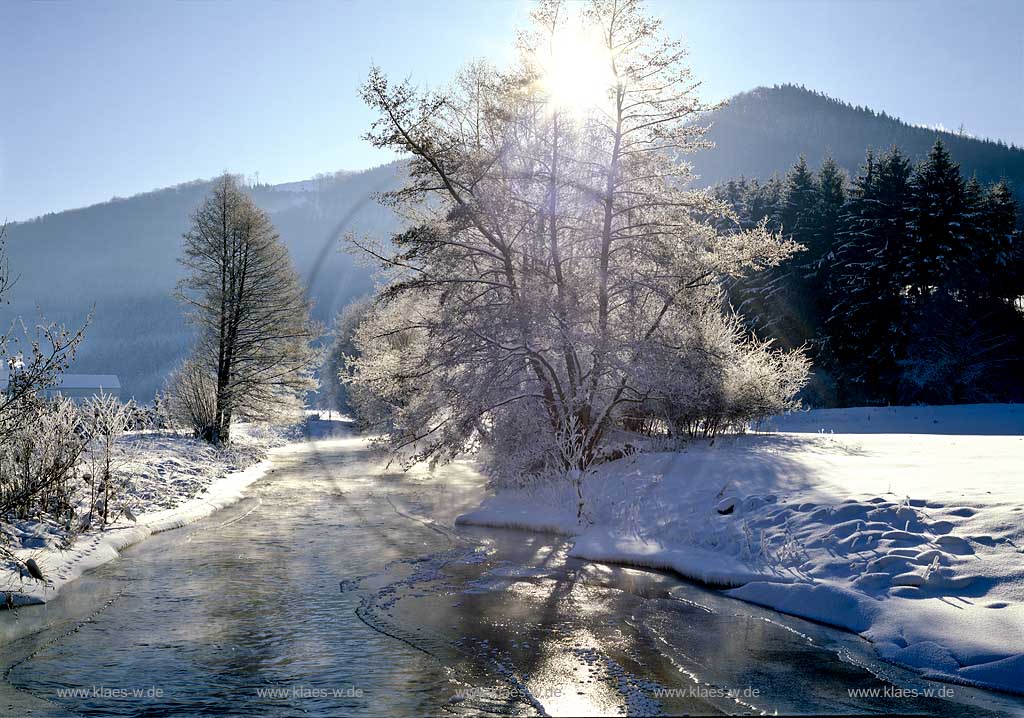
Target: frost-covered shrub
point(104, 420)
point(518, 453)
point(39, 461)
point(191, 399)
point(762, 382)
point(706, 376)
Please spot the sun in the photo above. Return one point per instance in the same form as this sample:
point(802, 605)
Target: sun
point(576, 71)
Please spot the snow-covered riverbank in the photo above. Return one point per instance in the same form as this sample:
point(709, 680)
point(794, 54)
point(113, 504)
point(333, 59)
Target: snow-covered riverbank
point(173, 481)
point(907, 527)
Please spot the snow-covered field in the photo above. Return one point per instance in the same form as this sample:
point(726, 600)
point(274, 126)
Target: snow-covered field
point(173, 481)
point(905, 525)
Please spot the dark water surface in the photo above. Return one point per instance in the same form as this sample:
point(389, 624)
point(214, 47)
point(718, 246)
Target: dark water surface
point(339, 587)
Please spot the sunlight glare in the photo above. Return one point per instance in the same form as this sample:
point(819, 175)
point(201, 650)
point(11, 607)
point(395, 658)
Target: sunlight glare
point(577, 72)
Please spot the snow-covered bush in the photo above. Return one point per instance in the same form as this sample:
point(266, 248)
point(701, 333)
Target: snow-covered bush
point(39, 462)
point(105, 419)
point(761, 382)
point(191, 399)
point(707, 376)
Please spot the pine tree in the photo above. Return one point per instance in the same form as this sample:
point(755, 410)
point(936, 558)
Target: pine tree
point(972, 274)
point(937, 245)
point(787, 304)
point(798, 203)
point(866, 327)
point(829, 209)
point(1001, 256)
point(789, 313)
point(907, 287)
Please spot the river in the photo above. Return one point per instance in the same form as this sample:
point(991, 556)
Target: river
point(340, 586)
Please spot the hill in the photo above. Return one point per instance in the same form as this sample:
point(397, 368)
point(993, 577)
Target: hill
point(121, 256)
point(765, 130)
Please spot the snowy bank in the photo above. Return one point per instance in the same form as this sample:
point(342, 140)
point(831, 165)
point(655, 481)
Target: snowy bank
point(913, 540)
point(174, 481)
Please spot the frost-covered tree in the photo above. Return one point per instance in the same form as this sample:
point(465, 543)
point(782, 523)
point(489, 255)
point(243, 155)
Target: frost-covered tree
point(553, 250)
point(244, 294)
point(105, 419)
point(334, 393)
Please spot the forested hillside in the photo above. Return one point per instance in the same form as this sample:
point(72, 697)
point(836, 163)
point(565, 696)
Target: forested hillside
point(762, 132)
point(121, 256)
point(909, 285)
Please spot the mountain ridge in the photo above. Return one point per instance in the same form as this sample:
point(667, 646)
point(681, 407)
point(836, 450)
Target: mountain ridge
point(766, 129)
point(123, 252)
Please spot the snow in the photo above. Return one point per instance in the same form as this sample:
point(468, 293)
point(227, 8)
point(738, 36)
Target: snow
point(904, 525)
point(962, 420)
point(174, 481)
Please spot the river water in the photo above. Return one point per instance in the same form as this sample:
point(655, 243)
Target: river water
point(340, 586)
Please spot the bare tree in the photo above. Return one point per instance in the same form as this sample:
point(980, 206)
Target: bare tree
point(244, 294)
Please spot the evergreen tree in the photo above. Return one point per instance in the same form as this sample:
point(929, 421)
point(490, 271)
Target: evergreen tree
point(791, 314)
point(866, 326)
point(763, 203)
point(905, 290)
point(1001, 255)
point(820, 240)
point(788, 304)
point(937, 244)
point(831, 200)
point(797, 212)
point(973, 273)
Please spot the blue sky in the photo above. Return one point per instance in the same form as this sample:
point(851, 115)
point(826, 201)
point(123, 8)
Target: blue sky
point(114, 98)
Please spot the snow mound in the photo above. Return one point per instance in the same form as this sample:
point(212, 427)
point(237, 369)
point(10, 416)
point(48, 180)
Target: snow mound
point(913, 540)
point(961, 420)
